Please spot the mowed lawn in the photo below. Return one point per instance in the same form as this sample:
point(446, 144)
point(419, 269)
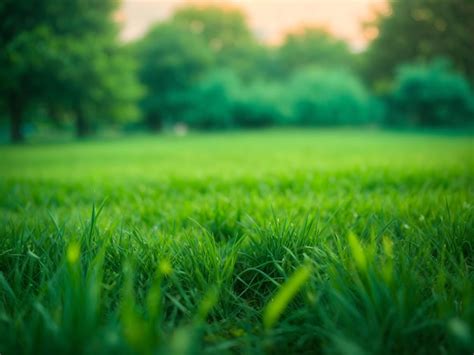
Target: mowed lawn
point(329, 241)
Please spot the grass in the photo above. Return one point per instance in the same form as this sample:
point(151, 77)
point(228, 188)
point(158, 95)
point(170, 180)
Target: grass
point(341, 242)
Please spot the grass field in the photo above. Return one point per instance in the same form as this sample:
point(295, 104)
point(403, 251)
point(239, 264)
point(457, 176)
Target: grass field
point(334, 242)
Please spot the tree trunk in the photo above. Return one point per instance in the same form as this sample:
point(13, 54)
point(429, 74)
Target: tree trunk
point(82, 127)
point(15, 108)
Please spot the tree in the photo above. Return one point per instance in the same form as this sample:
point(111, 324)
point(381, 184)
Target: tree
point(95, 76)
point(421, 30)
point(227, 35)
point(58, 54)
point(171, 61)
point(213, 101)
point(432, 95)
point(261, 104)
point(328, 97)
point(312, 46)
point(22, 24)
point(95, 81)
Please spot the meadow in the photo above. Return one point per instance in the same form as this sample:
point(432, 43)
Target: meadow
point(280, 241)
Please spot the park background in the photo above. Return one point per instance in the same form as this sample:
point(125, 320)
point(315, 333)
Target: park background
point(86, 67)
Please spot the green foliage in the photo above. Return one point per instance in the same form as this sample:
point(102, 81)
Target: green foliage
point(58, 69)
point(261, 104)
point(432, 95)
point(199, 242)
point(95, 79)
point(313, 47)
point(421, 30)
point(226, 34)
point(213, 101)
point(204, 67)
point(172, 60)
point(323, 97)
point(64, 62)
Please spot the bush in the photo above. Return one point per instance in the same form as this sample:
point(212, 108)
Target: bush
point(312, 97)
point(260, 105)
point(220, 100)
point(213, 101)
point(321, 97)
point(431, 95)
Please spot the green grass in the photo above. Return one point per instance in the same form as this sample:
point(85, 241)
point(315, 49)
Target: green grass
point(341, 242)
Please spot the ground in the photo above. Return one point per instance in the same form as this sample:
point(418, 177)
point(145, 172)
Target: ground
point(321, 241)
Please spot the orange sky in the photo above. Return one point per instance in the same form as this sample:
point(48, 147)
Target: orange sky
point(268, 18)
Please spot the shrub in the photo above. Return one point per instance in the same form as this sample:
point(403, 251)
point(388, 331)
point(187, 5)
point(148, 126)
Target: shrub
point(213, 101)
point(260, 105)
point(431, 95)
point(320, 97)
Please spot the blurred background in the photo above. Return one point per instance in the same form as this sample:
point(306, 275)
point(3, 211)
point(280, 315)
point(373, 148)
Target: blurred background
point(108, 67)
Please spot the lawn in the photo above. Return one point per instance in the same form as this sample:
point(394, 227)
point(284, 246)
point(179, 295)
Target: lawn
point(330, 241)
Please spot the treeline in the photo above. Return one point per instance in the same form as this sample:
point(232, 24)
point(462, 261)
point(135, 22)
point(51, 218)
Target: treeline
point(62, 65)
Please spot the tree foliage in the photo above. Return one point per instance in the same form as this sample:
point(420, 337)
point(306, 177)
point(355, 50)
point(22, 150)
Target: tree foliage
point(313, 46)
point(61, 61)
point(63, 54)
point(262, 104)
point(432, 95)
point(323, 97)
point(172, 60)
point(214, 101)
point(227, 35)
point(421, 30)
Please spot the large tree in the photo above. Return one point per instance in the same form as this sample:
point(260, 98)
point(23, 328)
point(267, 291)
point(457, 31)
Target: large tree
point(312, 46)
point(24, 33)
point(171, 61)
point(59, 54)
point(420, 30)
point(95, 82)
point(227, 35)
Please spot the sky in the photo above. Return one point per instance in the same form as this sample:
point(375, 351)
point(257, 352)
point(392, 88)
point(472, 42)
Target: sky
point(269, 19)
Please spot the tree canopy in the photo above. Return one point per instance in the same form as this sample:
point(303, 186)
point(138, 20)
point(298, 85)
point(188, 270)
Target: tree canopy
point(62, 62)
point(227, 35)
point(171, 59)
point(421, 30)
point(73, 62)
point(431, 95)
point(313, 46)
